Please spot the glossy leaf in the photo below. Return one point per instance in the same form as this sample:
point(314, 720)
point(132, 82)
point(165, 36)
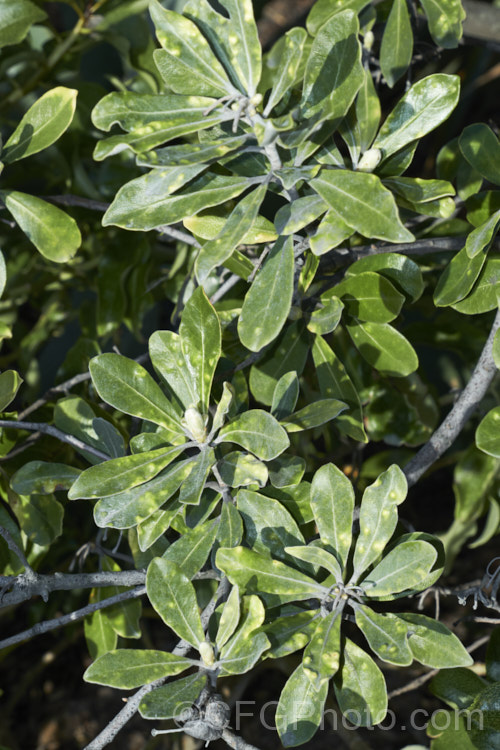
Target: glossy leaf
point(426, 105)
point(404, 567)
point(245, 42)
point(481, 238)
point(190, 153)
point(130, 668)
point(333, 72)
point(229, 618)
point(186, 62)
point(16, 18)
point(322, 656)
point(485, 293)
point(292, 217)
point(10, 381)
point(239, 469)
point(44, 122)
point(314, 415)
point(331, 232)
point(169, 362)
point(230, 531)
point(332, 502)
point(142, 204)
point(54, 234)
point(397, 43)
point(191, 550)
point(168, 701)
point(290, 59)
point(243, 567)
point(401, 270)
point(194, 484)
point(286, 470)
point(43, 478)
point(269, 526)
point(285, 395)
point(360, 687)
point(99, 634)
point(480, 146)
point(488, 433)
point(289, 354)
point(457, 687)
point(383, 347)
point(378, 517)
point(367, 111)
point(121, 474)
point(174, 598)
point(300, 709)
point(40, 518)
point(316, 555)
point(445, 21)
point(200, 340)
point(259, 323)
point(432, 644)
point(363, 203)
point(239, 222)
point(386, 634)
point(458, 278)
point(258, 432)
point(326, 318)
point(245, 647)
point(370, 296)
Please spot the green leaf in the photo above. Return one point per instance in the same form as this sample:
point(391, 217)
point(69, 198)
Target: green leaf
point(323, 10)
point(246, 646)
point(300, 709)
point(43, 478)
point(432, 644)
point(269, 526)
point(208, 224)
point(396, 49)
point(40, 518)
point(186, 62)
point(485, 294)
point(43, 123)
point(402, 271)
point(458, 278)
point(191, 153)
point(332, 502)
point(259, 323)
point(250, 570)
point(142, 204)
point(173, 596)
point(239, 222)
point(194, 485)
point(316, 555)
point(131, 668)
point(10, 380)
point(330, 233)
point(74, 416)
point(370, 296)
point(378, 517)
point(292, 217)
point(16, 18)
point(367, 111)
point(481, 238)
point(99, 633)
point(404, 567)
point(245, 43)
point(124, 617)
point(480, 146)
point(291, 50)
point(258, 432)
point(290, 632)
point(457, 687)
point(201, 343)
point(334, 382)
point(384, 348)
point(334, 72)
point(109, 435)
point(239, 469)
point(285, 395)
point(54, 234)
point(286, 470)
point(126, 509)
point(169, 362)
point(313, 415)
point(168, 701)
point(3, 272)
point(190, 552)
point(386, 635)
point(322, 656)
point(289, 354)
point(425, 106)
point(445, 21)
point(488, 433)
point(230, 616)
point(127, 386)
point(360, 687)
point(325, 319)
point(123, 473)
point(363, 203)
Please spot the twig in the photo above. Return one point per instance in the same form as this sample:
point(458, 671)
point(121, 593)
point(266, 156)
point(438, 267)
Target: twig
point(224, 288)
point(466, 404)
point(47, 429)
point(16, 549)
point(77, 614)
point(37, 584)
point(236, 742)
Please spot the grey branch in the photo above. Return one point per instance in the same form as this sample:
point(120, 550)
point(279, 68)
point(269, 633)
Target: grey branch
point(454, 422)
point(47, 429)
point(31, 584)
point(14, 547)
point(236, 742)
point(58, 622)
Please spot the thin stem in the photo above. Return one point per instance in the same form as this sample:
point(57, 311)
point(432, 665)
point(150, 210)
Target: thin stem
point(224, 288)
point(236, 742)
point(47, 429)
point(58, 622)
point(15, 549)
point(454, 422)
